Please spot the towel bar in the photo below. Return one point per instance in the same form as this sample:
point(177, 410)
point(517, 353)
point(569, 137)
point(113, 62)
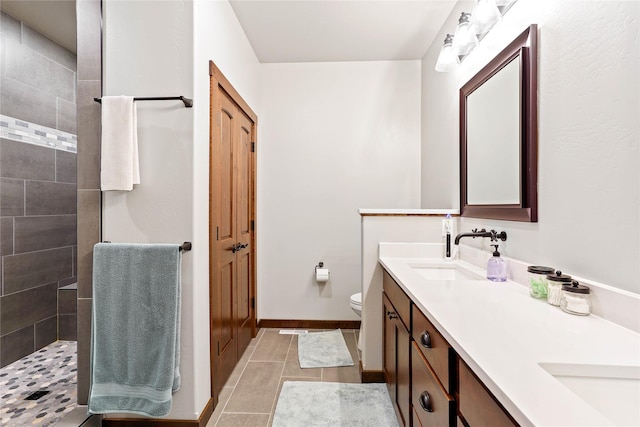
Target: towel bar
point(186, 246)
point(188, 103)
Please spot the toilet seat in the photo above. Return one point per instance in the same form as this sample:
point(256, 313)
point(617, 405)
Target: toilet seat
point(356, 299)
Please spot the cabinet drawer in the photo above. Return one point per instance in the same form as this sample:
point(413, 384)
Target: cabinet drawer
point(398, 298)
point(477, 405)
point(432, 406)
point(435, 348)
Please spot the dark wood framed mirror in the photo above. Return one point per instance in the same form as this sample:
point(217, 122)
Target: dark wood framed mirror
point(499, 135)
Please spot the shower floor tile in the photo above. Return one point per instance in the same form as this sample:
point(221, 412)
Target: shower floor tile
point(52, 368)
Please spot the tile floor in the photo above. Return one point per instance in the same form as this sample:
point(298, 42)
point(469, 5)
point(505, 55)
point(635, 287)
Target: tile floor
point(249, 396)
point(247, 399)
point(52, 368)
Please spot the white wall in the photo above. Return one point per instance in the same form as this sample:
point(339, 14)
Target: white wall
point(333, 138)
point(375, 230)
point(152, 57)
point(589, 104)
point(155, 48)
point(218, 37)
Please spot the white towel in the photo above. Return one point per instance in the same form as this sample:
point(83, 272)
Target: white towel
point(119, 154)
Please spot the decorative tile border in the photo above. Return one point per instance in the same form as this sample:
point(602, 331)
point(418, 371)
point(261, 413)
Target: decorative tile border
point(19, 130)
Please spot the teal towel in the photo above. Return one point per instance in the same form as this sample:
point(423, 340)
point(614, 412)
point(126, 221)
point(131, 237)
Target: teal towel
point(135, 339)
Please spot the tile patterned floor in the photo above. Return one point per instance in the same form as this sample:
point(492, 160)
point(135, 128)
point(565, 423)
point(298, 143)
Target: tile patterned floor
point(249, 396)
point(52, 368)
point(247, 399)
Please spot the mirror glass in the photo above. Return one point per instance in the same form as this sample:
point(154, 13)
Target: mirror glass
point(498, 135)
point(493, 129)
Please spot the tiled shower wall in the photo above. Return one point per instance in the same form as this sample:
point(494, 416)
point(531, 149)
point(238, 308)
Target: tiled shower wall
point(89, 16)
point(37, 188)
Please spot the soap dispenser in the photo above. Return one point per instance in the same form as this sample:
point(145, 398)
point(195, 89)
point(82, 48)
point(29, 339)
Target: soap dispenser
point(496, 267)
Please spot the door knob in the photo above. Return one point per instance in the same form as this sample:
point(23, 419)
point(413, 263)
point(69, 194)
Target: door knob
point(392, 315)
point(237, 247)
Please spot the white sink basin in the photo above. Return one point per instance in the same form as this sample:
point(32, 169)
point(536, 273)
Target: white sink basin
point(614, 391)
point(452, 272)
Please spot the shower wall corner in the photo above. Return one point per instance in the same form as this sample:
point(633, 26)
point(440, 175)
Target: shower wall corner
point(89, 83)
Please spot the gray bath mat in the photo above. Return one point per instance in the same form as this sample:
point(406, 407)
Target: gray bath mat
point(323, 350)
point(305, 404)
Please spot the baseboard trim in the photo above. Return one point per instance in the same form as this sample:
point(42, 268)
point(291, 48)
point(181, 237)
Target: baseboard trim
point(371, 376)
point(146, 422)
point(309, 324)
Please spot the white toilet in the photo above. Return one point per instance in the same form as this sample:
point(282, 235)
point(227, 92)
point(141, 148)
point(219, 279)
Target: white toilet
point(355, 301)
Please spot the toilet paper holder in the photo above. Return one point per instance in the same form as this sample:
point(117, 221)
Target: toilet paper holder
point(322, 273)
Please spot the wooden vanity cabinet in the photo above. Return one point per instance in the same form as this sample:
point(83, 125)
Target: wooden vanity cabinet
point(435, 349)
point(476, 404)
point(397, 342)
point(432, 405)
point(429, 384)
point(432, 375)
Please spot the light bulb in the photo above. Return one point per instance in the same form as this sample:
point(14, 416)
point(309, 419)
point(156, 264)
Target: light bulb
point(465, 40)
point(485, 16)
point(447, 60)
point(504, 5)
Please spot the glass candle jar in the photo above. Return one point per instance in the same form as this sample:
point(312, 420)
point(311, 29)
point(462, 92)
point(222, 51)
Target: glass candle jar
point(538, 280)
point(576, 299)
point(554, 286)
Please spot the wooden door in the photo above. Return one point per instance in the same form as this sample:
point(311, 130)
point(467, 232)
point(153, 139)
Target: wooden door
point(244, 167)
point(389, 355)
point(403, 372)
point(397, 342)
point(224, 209)
point(476, 404)
point(232, 228)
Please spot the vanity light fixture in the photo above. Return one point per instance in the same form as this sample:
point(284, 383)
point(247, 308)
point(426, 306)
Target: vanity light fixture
point(465, 39)
point(485, 16)
point(504, 4)
point(447, 60)
point(472, 27)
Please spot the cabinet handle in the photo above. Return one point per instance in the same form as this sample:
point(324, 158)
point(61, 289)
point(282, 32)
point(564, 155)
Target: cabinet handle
point(425, 401)
point(425, 339)
point(392, 315)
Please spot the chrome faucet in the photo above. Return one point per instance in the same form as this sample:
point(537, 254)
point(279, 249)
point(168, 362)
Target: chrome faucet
point(493, 235)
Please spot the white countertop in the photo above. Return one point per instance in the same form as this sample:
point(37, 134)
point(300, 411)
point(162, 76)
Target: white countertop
point(503, 335)
point(408, 211)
